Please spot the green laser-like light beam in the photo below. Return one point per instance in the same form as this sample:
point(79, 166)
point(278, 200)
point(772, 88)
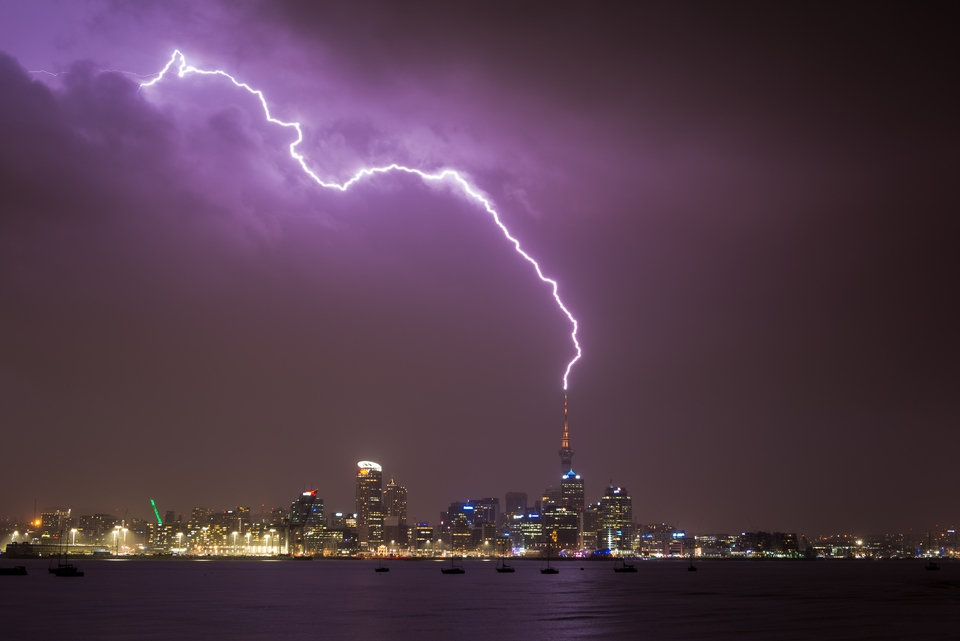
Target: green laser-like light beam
point(156, 512)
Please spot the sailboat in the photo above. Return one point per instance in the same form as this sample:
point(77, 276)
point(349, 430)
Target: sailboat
point(549, 569)
point(64, 567)
point(503, 567)
point(453, 569)
point(381, 567)
point(623, 566)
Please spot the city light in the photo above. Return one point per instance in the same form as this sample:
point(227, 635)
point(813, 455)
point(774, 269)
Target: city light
point(559, 523)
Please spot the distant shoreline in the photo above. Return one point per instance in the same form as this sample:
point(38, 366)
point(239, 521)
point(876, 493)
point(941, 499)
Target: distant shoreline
point(490, 559)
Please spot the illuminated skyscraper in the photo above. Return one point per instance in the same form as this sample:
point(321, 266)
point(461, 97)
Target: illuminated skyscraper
point(571, 491)
point(395, 501)
point(590, 518)
point(306, 523)
point(458, 523)
point(515, 508)
point(486, 510)
point(561, 524)
point(615, 511)
point(369, 505)
point(395, 532)
point(307, 510)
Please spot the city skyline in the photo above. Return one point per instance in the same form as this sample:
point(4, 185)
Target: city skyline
point(746, 207)
point(391, 500)
point(608, 529)
point(559, 523)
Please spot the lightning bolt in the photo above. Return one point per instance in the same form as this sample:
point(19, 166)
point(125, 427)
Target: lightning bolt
point(178, 63)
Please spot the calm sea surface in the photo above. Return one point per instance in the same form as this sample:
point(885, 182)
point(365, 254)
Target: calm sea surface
point(290, 600)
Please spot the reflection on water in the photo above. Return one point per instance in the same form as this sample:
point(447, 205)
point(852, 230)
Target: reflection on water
point(242, 600)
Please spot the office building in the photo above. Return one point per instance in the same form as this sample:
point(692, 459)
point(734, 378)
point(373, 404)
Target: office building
point(369, 506)
point(395, 501)
point(615, 513)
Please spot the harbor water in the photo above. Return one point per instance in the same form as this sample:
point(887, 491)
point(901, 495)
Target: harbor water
point(323, 599)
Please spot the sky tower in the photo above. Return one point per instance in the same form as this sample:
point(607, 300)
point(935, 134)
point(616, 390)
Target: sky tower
point(566, 453)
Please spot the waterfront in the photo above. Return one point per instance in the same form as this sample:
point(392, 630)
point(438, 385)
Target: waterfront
point(346, 600)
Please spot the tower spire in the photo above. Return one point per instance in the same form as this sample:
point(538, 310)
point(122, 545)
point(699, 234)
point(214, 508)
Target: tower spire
point(566, 453)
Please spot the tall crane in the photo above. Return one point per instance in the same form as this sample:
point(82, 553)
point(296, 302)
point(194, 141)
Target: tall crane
point(156, 512)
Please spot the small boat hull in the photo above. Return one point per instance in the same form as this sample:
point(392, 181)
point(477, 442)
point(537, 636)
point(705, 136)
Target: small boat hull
point(623, 566)
point(17, 570)
point(453, 571)
point(66, 570)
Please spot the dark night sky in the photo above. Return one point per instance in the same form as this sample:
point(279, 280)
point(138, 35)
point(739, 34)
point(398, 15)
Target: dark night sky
point(750, 208)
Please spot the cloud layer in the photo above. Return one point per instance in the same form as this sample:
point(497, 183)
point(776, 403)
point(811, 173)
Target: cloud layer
point(748, 209)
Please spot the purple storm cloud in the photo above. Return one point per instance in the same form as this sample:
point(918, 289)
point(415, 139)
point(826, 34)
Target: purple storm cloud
point(178, 64)
point(748, 208)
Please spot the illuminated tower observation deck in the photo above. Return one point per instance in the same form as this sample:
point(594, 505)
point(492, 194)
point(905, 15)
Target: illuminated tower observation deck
point(566, 453)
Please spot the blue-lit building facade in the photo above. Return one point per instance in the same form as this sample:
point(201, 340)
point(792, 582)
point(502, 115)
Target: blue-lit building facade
point(307, 527)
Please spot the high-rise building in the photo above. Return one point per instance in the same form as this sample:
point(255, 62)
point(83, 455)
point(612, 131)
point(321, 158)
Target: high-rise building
point(307, 510)
point(457, 523)
point(560, 523)
point(590, 520)
point(369, 506)
point(615, 511)
point(395, 501)
point(514, 511)
point(395, 531)
point(515, 503)
point(571, 491)
point(485, 510)
point(528, 533)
